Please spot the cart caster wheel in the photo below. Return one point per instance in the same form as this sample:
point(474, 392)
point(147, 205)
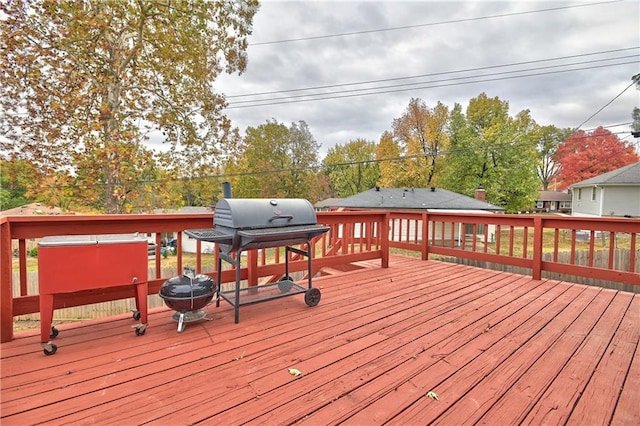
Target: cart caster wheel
point(54, 333)
point(49, 348)
point(312, 297)
point(285, 284)
point(140, 329)
point(136, 315)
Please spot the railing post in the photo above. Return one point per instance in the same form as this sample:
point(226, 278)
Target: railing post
point(6, 283)
point(384, 243)
point(425, 236)
point(252, 267)
point(536, 269)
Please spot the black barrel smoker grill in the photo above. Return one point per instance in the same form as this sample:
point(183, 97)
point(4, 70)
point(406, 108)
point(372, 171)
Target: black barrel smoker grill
point(242, 224)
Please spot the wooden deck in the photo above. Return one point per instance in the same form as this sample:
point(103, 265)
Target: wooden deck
point(496, 348)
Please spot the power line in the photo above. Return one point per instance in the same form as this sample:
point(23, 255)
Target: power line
point(415, 86)
point(357, 83)
point(606, 105)
point(431, 24)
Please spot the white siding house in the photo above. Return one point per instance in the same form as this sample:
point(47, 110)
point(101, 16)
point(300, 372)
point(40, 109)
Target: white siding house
point(616, 193)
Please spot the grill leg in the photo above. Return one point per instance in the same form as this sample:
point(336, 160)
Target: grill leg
point(219, 277)
point(237, 299)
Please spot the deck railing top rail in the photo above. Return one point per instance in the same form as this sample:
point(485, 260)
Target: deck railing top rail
point(536, 242)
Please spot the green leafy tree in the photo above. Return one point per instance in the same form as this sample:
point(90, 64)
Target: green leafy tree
point(392, 165)
point(635, 115)
point(17, 179)
point(352, 167)
point(422, 132)
point(493, 151)
point(91, 80)
point(548, 139)
point(275, 161)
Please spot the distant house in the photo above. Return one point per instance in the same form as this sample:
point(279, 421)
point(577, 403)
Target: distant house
point(429, 199)
point(435, 199)
point(325, 204)
point(34, 209)
point(553, 201)
point(616, 193)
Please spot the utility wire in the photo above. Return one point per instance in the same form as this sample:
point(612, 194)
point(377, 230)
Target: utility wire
point(330, 86)
point(418, 86)
point(439, 81)
point(431, 24)
point(606, 105)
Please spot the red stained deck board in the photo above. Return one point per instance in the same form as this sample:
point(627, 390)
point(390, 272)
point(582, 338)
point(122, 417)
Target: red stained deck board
point(395, 348)
point(594, 355)
point(378, 340)
point(468, 386)
point(459, 371)
point(378, 401)
point(279, 364)
point(509, 390)
point(128, 369)
point(611, 395)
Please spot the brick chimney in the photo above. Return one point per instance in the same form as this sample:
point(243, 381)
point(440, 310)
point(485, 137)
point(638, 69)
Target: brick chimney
point(481, 194)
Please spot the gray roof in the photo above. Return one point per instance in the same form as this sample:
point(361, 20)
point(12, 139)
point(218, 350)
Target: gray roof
point(627, 175)
point(413, 198)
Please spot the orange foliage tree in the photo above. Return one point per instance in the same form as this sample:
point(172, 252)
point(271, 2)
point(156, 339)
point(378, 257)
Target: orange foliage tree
point(584, 155)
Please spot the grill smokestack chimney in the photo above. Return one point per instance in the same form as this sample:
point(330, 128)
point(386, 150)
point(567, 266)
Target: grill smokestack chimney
point(226, 189)
point(481, 194)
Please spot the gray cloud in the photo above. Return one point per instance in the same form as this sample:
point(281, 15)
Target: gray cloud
point(564, 99)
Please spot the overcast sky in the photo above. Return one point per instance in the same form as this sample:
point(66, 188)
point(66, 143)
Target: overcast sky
point(575, 57)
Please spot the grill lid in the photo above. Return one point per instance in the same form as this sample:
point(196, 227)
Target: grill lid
point(246, 223)
point(258, 213)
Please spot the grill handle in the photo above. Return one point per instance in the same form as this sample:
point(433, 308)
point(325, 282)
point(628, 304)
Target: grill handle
point(286, 216)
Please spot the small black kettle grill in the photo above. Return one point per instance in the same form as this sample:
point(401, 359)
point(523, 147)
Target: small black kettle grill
point(187, 294)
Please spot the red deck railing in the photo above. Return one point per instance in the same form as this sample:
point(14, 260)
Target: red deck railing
point(600, 248)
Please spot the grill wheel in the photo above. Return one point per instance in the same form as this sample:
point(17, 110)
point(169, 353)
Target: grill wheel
point(312, 297)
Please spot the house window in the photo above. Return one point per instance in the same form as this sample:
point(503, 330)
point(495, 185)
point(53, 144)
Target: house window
point(593, 193)
point(539, 204)
point(565, 204)
point(579, 194)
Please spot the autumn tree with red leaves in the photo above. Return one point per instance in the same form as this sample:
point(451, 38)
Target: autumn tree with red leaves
point(584, 155)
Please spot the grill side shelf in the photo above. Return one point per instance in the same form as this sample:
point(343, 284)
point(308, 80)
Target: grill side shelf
point(210, 235)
